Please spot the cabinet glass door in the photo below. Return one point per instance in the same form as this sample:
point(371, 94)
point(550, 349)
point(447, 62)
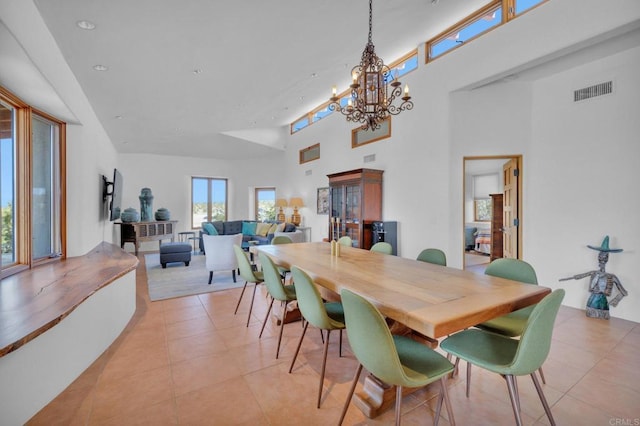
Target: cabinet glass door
point(336, 202)
point(352, 212)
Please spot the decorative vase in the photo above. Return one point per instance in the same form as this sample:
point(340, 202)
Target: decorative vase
point(163, 214)
point(129, 215)
point(146, 205)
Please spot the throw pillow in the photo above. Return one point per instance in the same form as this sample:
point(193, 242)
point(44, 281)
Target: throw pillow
point(273, 228)
point(289, 227)
point(249, 228)
point(262, 229)
point(209, 229)
point(280, 227)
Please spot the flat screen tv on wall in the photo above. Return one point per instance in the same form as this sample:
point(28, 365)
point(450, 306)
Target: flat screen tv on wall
point(115, 192)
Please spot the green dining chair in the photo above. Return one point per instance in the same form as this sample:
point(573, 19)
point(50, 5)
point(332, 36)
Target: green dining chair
point(382, 247)
point(433, 255)
point(277, 291)
point(249, 276)
point(513, 323)
point(345, 241)
point(511, 357)
point(396, 360)
point(282, 239)
point(323, 315)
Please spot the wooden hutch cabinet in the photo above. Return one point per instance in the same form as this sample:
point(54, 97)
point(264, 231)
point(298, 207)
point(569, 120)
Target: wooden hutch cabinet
point(355, 198)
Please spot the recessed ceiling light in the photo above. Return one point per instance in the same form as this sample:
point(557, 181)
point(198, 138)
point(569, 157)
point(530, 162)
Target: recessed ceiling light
point(86, 25)
point(314, 75)
point(118, 117)
point(197, 71)
point(100, 67)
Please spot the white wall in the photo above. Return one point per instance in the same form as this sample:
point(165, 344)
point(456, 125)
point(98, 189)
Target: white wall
point(423, 159)
point(170, 181)
point(585, 183)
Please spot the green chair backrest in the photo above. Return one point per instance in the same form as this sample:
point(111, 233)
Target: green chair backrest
point(370, 338)
point(512, 269)
point(272, 277)
point(382, 247)
point(433, 255)
point(310, 302)
point(535, 340)
point(246, 271)
point(281, 239)
point(345, 241)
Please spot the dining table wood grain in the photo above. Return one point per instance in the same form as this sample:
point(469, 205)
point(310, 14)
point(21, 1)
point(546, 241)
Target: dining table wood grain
point(431, 299)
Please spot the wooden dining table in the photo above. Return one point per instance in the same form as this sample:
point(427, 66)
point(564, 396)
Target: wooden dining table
point(431, 299)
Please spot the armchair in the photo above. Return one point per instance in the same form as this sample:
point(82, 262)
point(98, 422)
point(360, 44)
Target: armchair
point(219, 253)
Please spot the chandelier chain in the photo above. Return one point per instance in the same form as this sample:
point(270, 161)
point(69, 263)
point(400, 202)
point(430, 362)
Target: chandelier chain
point(370, 21)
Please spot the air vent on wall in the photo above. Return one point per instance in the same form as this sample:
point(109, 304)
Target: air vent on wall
point(369, 158)
point(593, 91)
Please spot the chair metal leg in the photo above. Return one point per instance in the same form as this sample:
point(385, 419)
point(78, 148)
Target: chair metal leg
point(350, 395)
point(340, 346)
point(444, 395)
point(240, 299)
point(468, 378)
point(284, 314)
point(515, 404)
point(543, 399)
point(324, 364)
point(253, 296)
point(210, 277)
point(398, 404)
point(265, 320)
point(542, 375)
point(293, 361)
point(455, 367)
point(515, 387)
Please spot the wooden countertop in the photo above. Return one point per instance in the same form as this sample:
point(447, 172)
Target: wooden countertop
point(34, 301)
point(431, 299)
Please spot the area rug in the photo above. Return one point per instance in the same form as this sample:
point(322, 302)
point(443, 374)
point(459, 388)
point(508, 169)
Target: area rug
point(176, 280)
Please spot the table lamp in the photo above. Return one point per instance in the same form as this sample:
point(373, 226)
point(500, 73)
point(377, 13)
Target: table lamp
point(295, 202)
point(280, 203)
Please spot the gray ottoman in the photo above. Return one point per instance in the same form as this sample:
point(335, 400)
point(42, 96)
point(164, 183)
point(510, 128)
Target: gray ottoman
point(175, 252)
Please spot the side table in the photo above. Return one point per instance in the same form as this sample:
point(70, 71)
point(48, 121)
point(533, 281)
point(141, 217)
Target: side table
point(307, 233)
point(188, 236)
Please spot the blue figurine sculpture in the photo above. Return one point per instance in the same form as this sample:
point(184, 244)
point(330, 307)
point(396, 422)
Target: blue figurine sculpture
point(146, 205)
point(601, 284)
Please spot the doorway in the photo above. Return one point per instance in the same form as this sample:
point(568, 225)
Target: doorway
point(492, 209)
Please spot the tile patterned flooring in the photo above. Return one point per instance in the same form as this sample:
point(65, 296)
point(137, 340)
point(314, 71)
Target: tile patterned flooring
point(191, 361)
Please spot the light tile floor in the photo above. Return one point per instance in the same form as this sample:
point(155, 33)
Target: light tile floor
point(191, 361)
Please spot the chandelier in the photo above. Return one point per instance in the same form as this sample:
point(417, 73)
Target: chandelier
point(371, 101)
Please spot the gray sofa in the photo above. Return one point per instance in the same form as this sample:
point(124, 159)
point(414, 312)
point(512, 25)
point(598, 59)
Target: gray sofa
point(241, 227)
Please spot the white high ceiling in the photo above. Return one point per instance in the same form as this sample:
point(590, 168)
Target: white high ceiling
point(262, 64)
